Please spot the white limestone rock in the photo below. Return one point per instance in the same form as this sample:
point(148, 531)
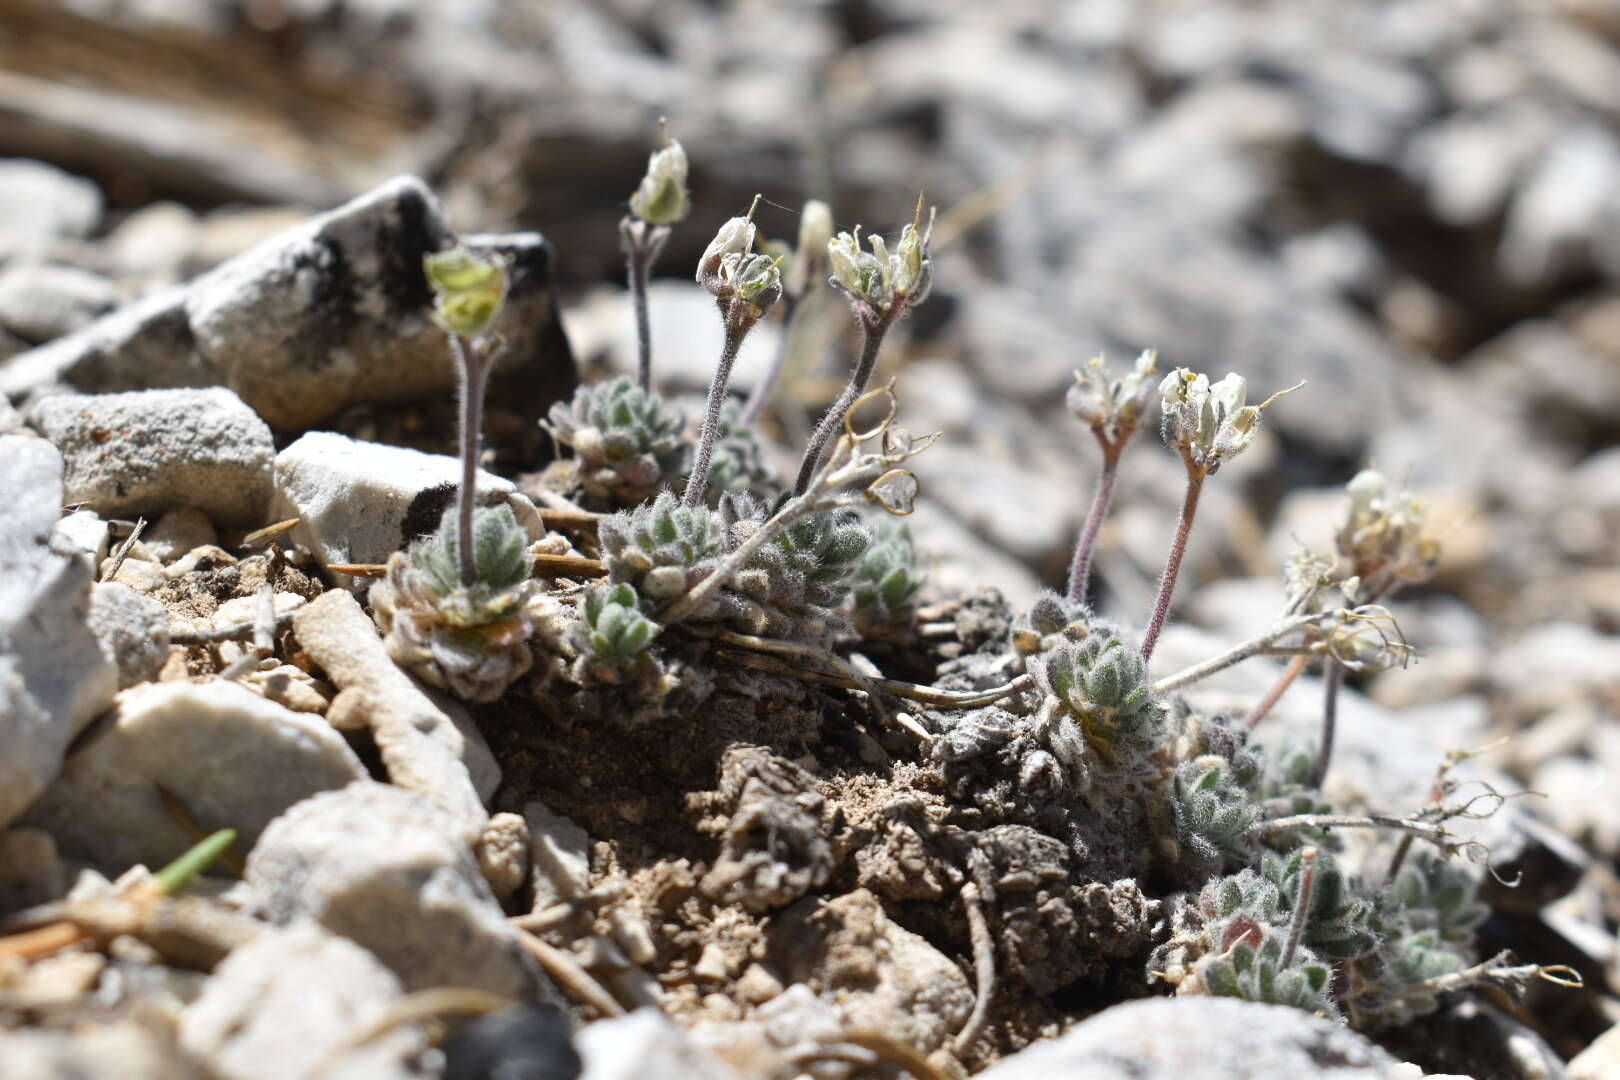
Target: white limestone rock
point(148, 451)
point(53, 676)
point(392, 872)
point(232, 758)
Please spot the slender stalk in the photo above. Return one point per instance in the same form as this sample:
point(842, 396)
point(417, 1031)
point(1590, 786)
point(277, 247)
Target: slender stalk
point(1332, 679)
point(762, 390)
point(875, 330)
point(1435, 834)
point(1274, 695)
point(699, 480)
point(640, 269)
point(1302, 905)
point(1255, 646)
point(642, 245)
point(1172, 566)
point(1080, 569)
point(471, 370)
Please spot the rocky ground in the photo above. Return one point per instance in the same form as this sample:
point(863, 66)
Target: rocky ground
point(222, 402)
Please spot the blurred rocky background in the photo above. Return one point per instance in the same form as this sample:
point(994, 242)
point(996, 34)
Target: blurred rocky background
point(1412, 204)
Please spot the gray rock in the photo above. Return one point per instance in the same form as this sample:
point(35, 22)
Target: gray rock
point(645, 1043)
point(285, 1005)
point(323, 315)
point(392, 872)
point(155, 450)
point(421, 747)
point(39, 205)
point(144, 345)
point(883, 976)
point(53, 676)
point(177, 532)
point(85, 530)
point(359, 502)
point(1193, 1038)
point(155, 241)
point(231, 757)
point(1551, 220)
point(126, 1049)
point(559, 857)
point(133, 631)
point(31, 872)
point(43, 301)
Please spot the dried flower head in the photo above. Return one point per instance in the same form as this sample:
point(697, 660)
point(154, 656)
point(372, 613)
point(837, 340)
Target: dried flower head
point(1210, 424)
point(1113, 408)
point(880, 279)
point(1381, 537)
point(815, 232)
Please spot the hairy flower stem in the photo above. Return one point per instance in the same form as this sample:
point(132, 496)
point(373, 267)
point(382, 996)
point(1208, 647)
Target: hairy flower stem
point(1278, 689)
point(1332, 679)
point(875, 329)
point(1172, 565)
point(472, 369)
point(1302, 905)
point(762, 390)
point(641, 248)
point(699, 480)
point(1080, 568)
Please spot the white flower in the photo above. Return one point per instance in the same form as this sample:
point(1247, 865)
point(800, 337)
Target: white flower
point(736, 237)
point(1210, 424)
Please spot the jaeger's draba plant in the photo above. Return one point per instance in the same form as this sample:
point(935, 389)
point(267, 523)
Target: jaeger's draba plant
point(1069, 781)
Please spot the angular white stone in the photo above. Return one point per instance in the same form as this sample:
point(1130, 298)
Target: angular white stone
point(53, 676)
point(359, 502)
point(392, 872)
point(231, 757)
point(148, 451)
point(285, 1003)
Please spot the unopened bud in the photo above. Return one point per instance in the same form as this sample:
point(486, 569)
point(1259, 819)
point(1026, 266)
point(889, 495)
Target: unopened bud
point(469, 288)
point(661, 199)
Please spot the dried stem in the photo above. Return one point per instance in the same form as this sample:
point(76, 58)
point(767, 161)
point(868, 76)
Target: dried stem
point(1498, 970)
point(699, 480)
point(1278, 689)
point(1172, 566)
point(928, 695)
point(240, 632)
point(569, 974)
point(984, 969)
point(123, 550)
point(1332, 679)
point(1255, 646)
point(1425, 830)
point(875, 329)
point(784, 346)
point(1080, 569)
point(1302, 905)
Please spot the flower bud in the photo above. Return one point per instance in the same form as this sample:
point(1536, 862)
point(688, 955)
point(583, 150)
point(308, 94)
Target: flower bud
point(756, 278)
point(815, 231)
point(469, 288)
point(661, 199)
point(736, 237)
point(1381, 537)
point(1113, 407)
